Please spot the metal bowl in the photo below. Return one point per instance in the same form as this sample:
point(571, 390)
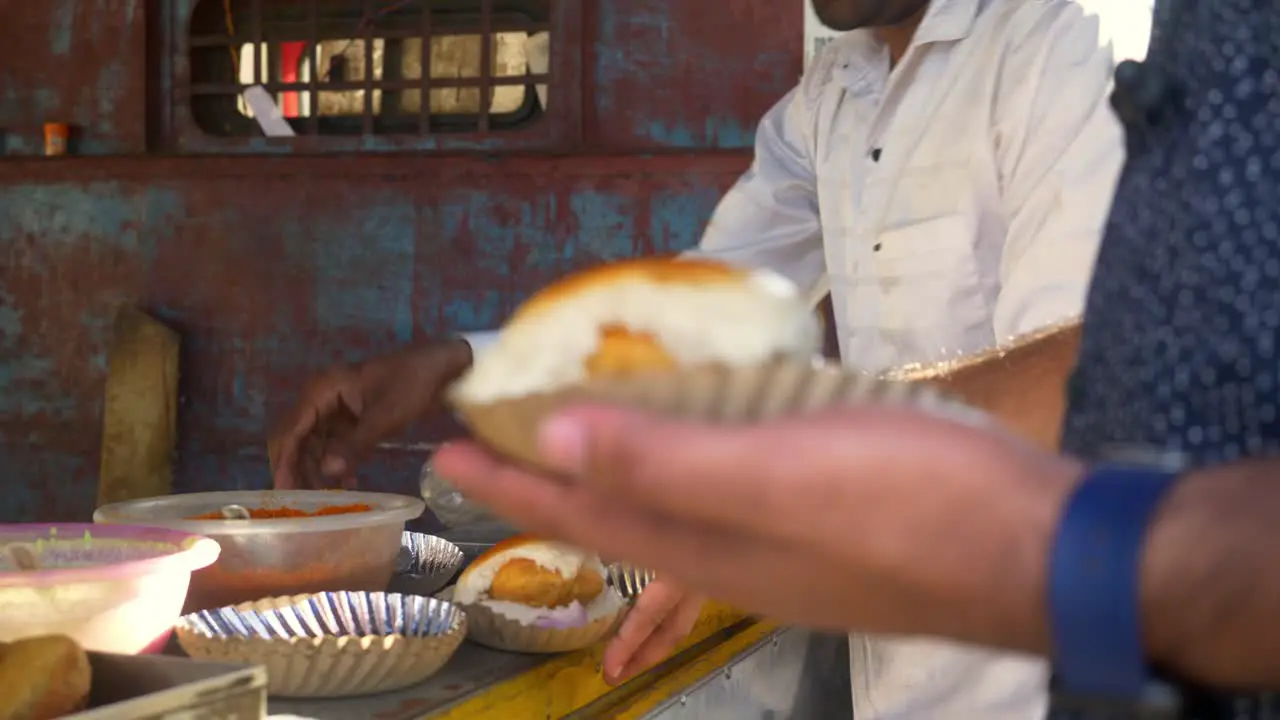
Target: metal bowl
point(283, 556)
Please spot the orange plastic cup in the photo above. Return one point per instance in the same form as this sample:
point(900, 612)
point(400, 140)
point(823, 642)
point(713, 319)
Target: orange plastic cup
point(55, 139)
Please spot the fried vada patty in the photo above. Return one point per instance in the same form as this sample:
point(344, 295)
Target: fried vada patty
point(42, 678)
point(524, 581)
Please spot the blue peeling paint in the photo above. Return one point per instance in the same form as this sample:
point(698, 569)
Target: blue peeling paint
point(104, 213)
point(676, 220)
point(62, 18)
point(618, 63)
point(368, 240)
point(108, 89)
point(728, 134)
point(23, 501)
point(96, 219)
point(606, 226)
point(483, 310)
point(260, 145)
point(10, 321)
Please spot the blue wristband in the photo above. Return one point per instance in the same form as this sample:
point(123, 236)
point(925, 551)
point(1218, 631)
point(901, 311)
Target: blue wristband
point(1093, 583)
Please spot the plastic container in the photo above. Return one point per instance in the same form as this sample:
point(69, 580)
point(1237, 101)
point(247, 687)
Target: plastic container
point(448, 504)
point(282, 556)
point(115, 589)
point(56, 137)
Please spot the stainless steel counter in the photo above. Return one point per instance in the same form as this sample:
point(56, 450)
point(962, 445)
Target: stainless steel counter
point(792, 674)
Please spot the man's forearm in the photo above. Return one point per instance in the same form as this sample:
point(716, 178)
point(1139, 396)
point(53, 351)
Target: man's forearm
point(1025, 387)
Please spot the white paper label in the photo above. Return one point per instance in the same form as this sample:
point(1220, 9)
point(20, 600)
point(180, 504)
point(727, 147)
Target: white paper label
point(815, 33)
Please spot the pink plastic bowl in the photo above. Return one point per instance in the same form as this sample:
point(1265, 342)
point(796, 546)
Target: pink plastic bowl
point(114, 588)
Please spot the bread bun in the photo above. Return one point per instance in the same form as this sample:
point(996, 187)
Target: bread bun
point(534, 573)
point(638, 316)
point(42, 678)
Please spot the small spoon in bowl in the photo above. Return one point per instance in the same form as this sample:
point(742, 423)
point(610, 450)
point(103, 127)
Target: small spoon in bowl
point(23, 556)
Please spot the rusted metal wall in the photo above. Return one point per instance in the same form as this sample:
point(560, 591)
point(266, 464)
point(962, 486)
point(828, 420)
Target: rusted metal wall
point(275, 266)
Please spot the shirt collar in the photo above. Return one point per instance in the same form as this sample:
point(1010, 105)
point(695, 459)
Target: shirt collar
point(947, 20)
point(862, 58)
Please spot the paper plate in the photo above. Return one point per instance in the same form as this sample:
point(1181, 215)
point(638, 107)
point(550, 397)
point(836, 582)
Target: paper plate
point(712, 393)
point(333, 644)
point(490, 627)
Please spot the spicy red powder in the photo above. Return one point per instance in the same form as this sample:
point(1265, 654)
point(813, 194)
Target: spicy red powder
point(288, 512)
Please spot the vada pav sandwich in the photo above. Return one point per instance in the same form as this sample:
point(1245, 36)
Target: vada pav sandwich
point(42, 678)
point(531, 595)
point(684, 336)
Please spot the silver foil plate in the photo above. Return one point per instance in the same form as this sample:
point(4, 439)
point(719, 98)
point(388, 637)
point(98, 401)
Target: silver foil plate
point(628, 580)
point(425, 564)
point(329, 614)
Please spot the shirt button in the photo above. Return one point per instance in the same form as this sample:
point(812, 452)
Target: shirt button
point(1142, 93)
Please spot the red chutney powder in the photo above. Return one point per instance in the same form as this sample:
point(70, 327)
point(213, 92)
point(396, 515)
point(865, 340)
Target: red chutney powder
point(288, 512)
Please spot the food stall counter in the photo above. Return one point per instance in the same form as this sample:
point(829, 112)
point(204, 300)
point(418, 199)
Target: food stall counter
point(480, 683)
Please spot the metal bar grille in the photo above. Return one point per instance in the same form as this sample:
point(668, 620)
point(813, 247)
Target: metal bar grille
point(256, 32)
point(289, 30)
point(424, 90)
point(392, 85)
point(486, 62)
point(313, 65)
point(359, 70)
point(367, 90)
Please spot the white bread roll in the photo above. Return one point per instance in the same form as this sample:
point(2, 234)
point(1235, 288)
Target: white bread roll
point(530, 579)
point(643, 315)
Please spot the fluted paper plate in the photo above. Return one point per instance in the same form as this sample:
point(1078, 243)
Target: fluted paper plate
point(488, 627)
point(332, 644)
point(426, 564)
point(709, 393)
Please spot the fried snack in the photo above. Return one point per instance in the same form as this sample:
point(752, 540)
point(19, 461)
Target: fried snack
point(538, 574)
point(42, 678)
point(524, 581)
point(671, 336)
point(642, 316)
point(537, 596)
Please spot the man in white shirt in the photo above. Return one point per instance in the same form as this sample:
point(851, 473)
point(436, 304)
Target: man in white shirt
point(944, 171)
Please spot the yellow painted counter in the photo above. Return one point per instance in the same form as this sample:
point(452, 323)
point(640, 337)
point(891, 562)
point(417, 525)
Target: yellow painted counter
point(561, 686)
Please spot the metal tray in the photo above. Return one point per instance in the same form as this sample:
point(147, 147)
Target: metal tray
point(156, 687)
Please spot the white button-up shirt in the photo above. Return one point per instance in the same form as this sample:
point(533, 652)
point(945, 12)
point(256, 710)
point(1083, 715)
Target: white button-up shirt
point(950, 203)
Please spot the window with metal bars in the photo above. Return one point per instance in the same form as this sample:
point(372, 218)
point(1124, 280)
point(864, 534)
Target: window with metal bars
point(371, 67)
